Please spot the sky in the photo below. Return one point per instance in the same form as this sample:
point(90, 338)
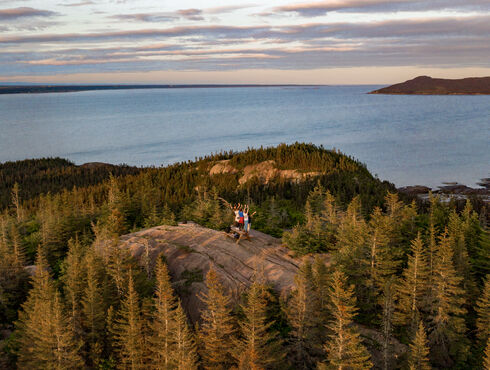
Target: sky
point(236, 41)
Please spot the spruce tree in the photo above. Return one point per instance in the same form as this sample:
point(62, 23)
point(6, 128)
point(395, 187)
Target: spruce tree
point(486, 358)
point(321, 284)
point(353, 245)
point(217, 329)
point(447, 326)
point(412, 289)
point(74, 280)
point(128, 330)
point(256, 348)
point(431, 257)
point(483, 310)
point(163, 326)
point(387, 302)
point(45, 337)
point(184, 356)
point(344, 347)
point(419, 350)
point(17, 204)
point(93, 308)
point(457, 239)
point(301, 317)
point(66, 346)
point(381, 264)
point(14, 280)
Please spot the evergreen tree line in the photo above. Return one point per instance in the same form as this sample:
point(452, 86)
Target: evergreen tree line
point(106, 312)
point(177, 192)
point(52, 175)
point(417, 276)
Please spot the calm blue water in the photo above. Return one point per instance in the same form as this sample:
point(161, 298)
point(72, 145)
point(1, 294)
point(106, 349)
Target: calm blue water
point(405, 139)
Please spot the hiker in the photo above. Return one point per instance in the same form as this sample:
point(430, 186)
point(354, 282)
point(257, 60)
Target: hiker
point(245, 219)
point(241, 218)
point(237, 215)
point(249, 224)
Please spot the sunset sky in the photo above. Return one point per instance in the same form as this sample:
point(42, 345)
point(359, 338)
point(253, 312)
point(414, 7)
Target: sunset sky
point(272, 41)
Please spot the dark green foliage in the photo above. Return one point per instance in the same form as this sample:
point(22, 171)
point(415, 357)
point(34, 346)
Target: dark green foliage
point(52, 175)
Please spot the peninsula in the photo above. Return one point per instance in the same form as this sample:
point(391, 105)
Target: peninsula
point(424, 85)
point(37, 89)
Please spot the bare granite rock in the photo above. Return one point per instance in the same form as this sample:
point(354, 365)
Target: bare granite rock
point(263, 171)
point(190, 250)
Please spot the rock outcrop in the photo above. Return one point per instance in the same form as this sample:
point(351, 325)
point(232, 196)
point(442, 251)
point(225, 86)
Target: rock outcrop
point(222, 167)
point(263, 171)
point(190, 250)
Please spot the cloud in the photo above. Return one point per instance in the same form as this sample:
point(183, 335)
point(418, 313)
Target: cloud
point(201, 31)
point(227, 8)
point(191, 14)
point(145, 17)
point(188, 14)
point(445, 41)
point(24, 12)
point(432, 28)
point(81, 3)
point(315, 9)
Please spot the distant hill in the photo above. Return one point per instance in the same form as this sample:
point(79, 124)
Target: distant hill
point(425, 85)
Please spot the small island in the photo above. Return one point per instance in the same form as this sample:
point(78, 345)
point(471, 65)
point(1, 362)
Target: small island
point(425, 85)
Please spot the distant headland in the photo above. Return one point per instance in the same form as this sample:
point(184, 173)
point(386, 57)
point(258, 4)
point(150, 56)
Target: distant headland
point(37, 89)
point(424, 85)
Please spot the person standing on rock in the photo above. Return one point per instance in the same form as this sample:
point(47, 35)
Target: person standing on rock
point(249, 224)
point(245, 219)
point(241, 218)
point(237, 216)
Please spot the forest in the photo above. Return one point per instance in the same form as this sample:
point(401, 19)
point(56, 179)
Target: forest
point(417, 274)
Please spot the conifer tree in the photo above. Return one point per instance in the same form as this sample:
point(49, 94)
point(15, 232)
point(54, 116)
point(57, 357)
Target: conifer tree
point(456, 234)
point(431, 257)
point(321, 285)
point(301, 317)
point(163, 326)
point(387, 301)
point(128, 330)
point(412, 288)
point(447, 327)
point(168, 217)
point(486, 358)
point(393, 205)
point(16, 202)
point(483, 310)
point(93, 308)
point(74, 279)
point(17, 253)
point(66, 346)
point(344, 347)
point(419, 350)
point(352, 242)
point(153, 219)
point(256, 349)
point(184, 355)
point(14, 280)
point(45, 337)
point(382, 258)
point(217, 330)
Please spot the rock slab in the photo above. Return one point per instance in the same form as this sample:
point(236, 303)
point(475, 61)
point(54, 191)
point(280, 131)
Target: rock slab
point(190, 251)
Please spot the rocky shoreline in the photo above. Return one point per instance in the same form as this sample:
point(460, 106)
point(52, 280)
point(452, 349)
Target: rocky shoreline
point(450, 190)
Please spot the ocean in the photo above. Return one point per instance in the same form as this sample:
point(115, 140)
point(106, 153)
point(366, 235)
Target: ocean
point(407, 140)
